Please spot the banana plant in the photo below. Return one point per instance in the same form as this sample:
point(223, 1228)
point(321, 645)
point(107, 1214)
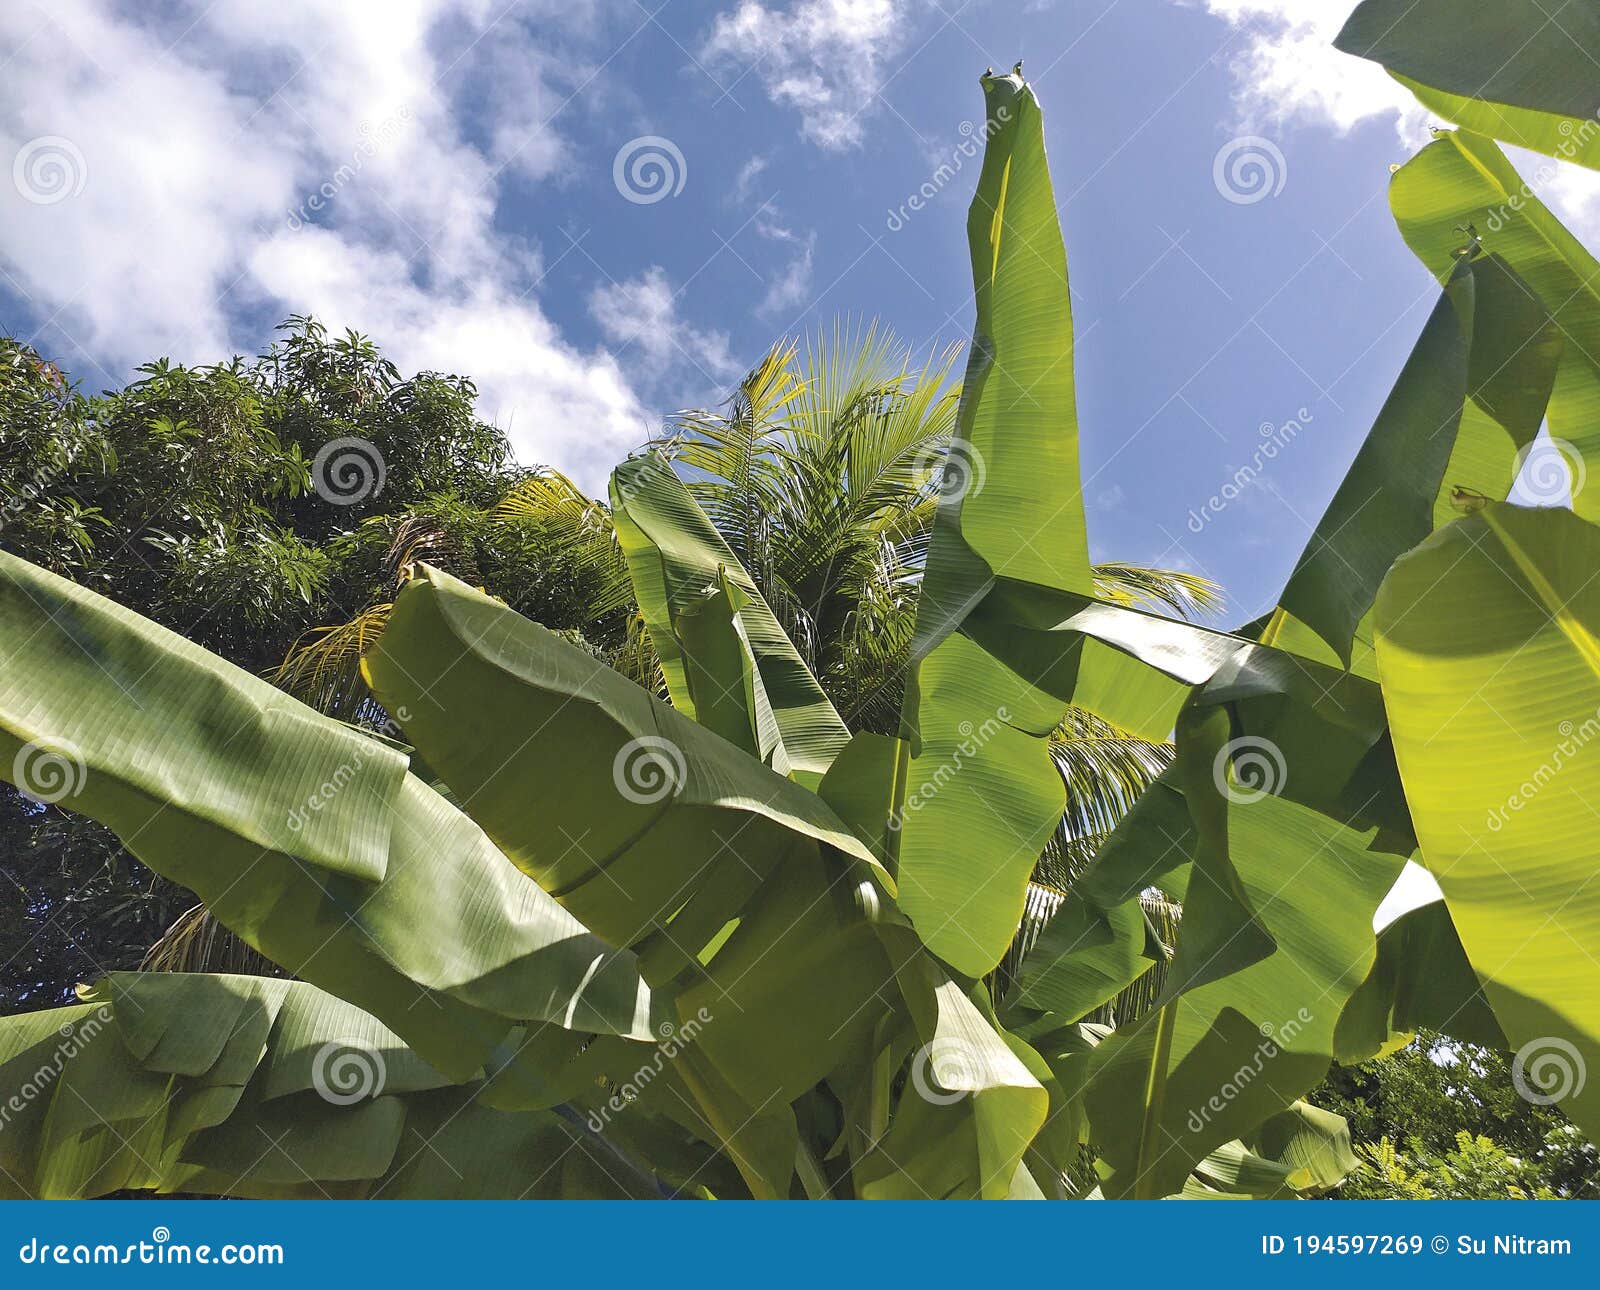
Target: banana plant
point(716, 945)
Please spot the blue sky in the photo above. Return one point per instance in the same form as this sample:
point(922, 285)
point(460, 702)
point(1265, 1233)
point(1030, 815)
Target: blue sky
point(442, 175)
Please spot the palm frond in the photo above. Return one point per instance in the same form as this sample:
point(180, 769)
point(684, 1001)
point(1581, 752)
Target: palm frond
point(1189, 595)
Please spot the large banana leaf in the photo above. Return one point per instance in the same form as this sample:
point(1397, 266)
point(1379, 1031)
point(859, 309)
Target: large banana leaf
point(308, 839)
point(1461, 187)
point(985, 797)
point(249, 1086)
point(1488, 648)
point(726, 659)
point(736, 887)
point(1519, 70)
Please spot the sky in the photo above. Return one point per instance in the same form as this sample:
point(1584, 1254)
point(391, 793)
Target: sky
point(608, 210)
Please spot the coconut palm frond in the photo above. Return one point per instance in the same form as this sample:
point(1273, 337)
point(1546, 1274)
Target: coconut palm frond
point(580, 532)
point(323, 668)
point(196, 942)
point(1189, 595)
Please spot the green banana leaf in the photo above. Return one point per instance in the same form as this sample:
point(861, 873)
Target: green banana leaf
point(309, 840)
point(984, 795)
point(727, 661)
point(249, 1086)
point(1460, 188)
point(1518, 70)
point(1491, 672)
point(741, 892)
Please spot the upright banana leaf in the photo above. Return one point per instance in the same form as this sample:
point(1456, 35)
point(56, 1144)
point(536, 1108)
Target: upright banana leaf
point(727, 662)
point(1461, 186)
point(1519, 70)
point(308, 839)
point(249, 1086)
point(1488, 648)
point(980, 792)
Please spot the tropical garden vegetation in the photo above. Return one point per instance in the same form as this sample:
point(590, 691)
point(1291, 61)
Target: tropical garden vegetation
point(810, 817)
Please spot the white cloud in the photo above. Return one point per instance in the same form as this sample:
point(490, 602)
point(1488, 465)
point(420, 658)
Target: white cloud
point(825, 58)
point(641, 315)
point(1286, 70)
point(301, 157)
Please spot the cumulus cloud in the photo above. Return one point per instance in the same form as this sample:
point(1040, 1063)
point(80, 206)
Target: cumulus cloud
point(240, 161)
point(824, 58)
point(641, 315)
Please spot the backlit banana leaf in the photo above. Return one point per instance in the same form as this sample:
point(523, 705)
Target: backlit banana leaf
point(1472, 393)
point(726, 659)
point(735, 885)
point(1488, 648)
point(1012, 507)
point(309, 840)
point(1519, 70)
point(249, 1086)
point(1461, 186)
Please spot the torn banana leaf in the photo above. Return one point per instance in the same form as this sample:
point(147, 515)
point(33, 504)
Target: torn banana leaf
point(250, 1086)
